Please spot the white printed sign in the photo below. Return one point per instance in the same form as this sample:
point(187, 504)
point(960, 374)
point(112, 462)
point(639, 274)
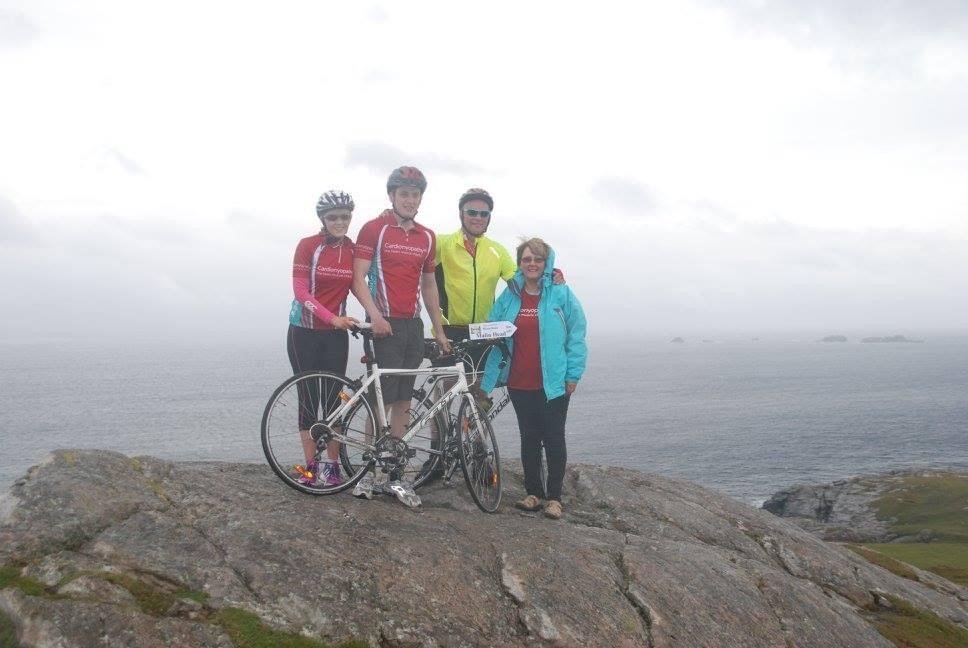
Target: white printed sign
point(491, 330)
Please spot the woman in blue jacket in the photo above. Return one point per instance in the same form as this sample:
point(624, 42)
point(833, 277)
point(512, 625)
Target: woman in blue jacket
point(547, 361)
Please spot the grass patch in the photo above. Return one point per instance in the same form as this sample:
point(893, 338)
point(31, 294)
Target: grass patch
point(10, 577)
point(887, 562)
point(949, 560)
point(247, 631)
point(152, 600)
point(937, 502)
point(194, 595)
point(911, 627)
point(8, 633)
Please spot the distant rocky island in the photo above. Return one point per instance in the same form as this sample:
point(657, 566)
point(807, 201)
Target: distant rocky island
point(889, 338)
point(677, 340)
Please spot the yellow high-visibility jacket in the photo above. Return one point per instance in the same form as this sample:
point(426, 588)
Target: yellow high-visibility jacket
point(467, 284)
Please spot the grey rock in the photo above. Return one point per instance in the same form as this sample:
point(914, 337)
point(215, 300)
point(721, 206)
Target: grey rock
point(926, 535)
point(636, 560)
point(844, 511)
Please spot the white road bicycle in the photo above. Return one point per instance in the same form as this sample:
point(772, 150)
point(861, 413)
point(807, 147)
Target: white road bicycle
point(316, 407)
point(432, 389)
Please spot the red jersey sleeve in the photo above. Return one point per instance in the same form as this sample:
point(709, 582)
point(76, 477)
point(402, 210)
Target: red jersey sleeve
point(366, 240)
point(430, 263)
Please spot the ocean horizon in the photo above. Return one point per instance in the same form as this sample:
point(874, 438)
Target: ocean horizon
point(746, 416)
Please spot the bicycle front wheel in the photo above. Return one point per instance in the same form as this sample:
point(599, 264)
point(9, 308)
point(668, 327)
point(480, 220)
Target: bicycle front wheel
point(427, 463)
point(479, 458)
point(294, 432)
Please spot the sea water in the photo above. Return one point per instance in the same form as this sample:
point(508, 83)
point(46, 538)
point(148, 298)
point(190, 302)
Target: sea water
point(746, 417)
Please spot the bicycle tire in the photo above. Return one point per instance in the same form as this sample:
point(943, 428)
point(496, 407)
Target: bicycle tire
point(282, 439)
point(480, 460)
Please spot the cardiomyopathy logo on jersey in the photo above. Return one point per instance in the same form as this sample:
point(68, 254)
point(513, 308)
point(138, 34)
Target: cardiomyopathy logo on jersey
point(411, 250)
point(528, 312)
point(333, 271)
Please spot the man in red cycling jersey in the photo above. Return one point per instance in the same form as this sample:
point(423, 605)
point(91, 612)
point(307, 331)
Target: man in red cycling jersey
point(393, 266)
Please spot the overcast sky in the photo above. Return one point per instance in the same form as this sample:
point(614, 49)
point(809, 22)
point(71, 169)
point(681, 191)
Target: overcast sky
point(709, 167)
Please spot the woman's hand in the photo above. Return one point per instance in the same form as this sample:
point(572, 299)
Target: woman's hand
point(343, 322)
point(570, 388)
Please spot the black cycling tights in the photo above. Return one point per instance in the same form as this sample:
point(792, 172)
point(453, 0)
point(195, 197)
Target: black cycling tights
point(541, 421)
point(310, 350)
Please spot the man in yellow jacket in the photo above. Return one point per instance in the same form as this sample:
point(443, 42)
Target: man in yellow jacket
point(470, 265)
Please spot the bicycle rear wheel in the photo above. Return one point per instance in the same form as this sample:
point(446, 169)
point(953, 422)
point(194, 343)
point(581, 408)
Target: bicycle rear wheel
point(293, 426)
point(479, 457)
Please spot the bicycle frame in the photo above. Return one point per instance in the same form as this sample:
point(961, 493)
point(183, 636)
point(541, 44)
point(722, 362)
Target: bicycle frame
point(372, 381)
point(498, 406)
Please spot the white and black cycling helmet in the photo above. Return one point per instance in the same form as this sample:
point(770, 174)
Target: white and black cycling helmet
point(333, 200)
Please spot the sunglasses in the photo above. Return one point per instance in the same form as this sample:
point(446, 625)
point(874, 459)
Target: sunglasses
point(335, 217)
point(483, 213)
point(533, 259)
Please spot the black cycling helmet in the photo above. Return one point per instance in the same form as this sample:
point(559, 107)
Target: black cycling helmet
point(333, 200)
point(475, 193)
point(406, 176)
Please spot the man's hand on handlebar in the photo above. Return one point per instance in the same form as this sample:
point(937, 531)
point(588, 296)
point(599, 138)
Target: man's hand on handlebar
point(381, 327)
point(443, 342)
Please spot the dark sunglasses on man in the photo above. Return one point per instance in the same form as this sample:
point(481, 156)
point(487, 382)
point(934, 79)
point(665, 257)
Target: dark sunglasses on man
point(483, 213)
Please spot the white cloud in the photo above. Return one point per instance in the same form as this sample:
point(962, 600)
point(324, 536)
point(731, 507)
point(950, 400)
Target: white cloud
point(16, 29)
point(687, 171)
point(626, 195)
point(14, 228)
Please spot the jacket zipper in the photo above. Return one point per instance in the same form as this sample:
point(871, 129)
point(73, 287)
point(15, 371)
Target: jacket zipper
point(474, 303)
point(561, 316)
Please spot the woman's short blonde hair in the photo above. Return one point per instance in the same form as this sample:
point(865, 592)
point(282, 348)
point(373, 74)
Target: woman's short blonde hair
point(537, 246)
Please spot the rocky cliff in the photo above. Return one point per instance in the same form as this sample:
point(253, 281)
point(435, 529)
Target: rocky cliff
point(846, 510)
point(102, 549)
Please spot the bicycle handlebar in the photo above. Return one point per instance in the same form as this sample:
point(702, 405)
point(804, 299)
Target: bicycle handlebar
point(432, 348)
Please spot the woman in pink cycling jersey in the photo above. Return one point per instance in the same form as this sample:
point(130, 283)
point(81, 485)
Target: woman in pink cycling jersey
point(322, 273)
